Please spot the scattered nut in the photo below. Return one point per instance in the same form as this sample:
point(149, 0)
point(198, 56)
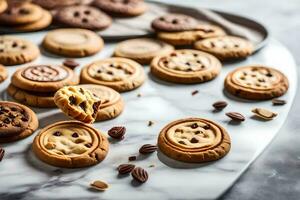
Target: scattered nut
point(195, 92)
point(264, 113)
point(99, 185)
point(150, 123)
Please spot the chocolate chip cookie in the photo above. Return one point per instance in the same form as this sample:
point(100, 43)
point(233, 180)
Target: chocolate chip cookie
point(126, 8)
point(142, 50)
point(189, 37)
point(70, 144)
point(14, 51)
point(112, 103)
point(72, 42)
point(83, 16)
point(186, 66)
point(16, 121)
point(22, 14)
point(43, 78)
point(3, 73)
point(121, 74)
point(226, 47)
point(194, 140)
point(256, 82)
point(78, 103)
point(174, 22)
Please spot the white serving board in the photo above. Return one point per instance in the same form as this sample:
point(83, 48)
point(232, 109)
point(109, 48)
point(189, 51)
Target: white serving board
point(25, 177)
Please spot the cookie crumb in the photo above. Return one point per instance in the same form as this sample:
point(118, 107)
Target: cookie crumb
point(132, 158)
point(195, 92)
point(151, 165)
point(139, 95)
point(150, 123)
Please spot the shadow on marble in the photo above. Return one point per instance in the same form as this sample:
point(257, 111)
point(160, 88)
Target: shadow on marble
point(53, 118)
point(179, 165)
point(44, 52)
point(234, 98)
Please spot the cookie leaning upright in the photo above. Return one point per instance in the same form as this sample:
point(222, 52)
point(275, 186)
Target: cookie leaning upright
point(256, 82)
point(226, 47)
point(186, 66)
point(128, 8)
point(142, 50)
point(16, 121)
point(70, 144)
point(72, 42)
point(78, 103)
point(14, 50)
point(121, 74)
point(194, 140)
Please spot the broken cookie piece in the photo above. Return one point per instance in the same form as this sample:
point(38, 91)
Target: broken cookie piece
point(78, 103)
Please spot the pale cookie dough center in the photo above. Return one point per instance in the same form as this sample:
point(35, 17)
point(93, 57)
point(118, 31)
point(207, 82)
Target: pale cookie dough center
point(188, 62)
point(107, 71)
point(10, 46)
point(70, 38)
point(67, 140)
point(256, 78)
point(224, 43)
point(194, 135)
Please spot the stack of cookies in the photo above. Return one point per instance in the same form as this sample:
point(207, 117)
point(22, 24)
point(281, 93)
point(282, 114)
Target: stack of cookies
point(35, 85)
point(26, 17)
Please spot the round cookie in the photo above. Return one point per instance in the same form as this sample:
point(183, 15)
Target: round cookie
point(23, 14)
point(44, 78)
point(16, 121)
point(70, 144)
point(82, 16)
point(73, 42)
point(35, 99)
point(189, 37)
point(194, 140)
point(126, 8)
point(186, 66)
point(174, 22)
point(256, 82)
point(112, 103)
point(142, 50)
point(226, 47)
point(42, 23)
point(14, 51)
point(78, 103)
point(3, 73)
point(121, 74)
point(3, 5)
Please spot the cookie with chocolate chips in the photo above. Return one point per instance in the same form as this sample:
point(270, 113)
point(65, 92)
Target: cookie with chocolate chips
point(22, 14)
point(174, 22)
point(83, 16)
point(78, 103)
point(186, 66)
point(126, 8)
point(121, 74)
point(226, 47)
point(14, 50)
point(256, 82)
point(70, 144)
point(194, 140)
point(16, 121)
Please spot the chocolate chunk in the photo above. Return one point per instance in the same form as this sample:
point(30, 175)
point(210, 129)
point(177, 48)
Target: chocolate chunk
point(6, 120)
point(88, 145)
point(194, 125)
point(83, 105)
point(57, 133)
point(75, 135)
point(194, 140)
point(72, 100)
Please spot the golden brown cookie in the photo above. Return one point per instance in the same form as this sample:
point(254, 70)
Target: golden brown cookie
point(142, 50)
point(43, 78)
point(112, 103)
point(22, 14)
point(78, 103)
point(194, 140)
point(16, 121)
point(3, 73)
point(14, 51)
point(35, 99)
point(125, 8)
point(256, 82)
point(3, 5)
point(186, 66)
point(70, 144)
point(226, 47)
point(72, 42)
point(189, 37)
point(121, 74)
point(42, 23)
point(82, 16)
